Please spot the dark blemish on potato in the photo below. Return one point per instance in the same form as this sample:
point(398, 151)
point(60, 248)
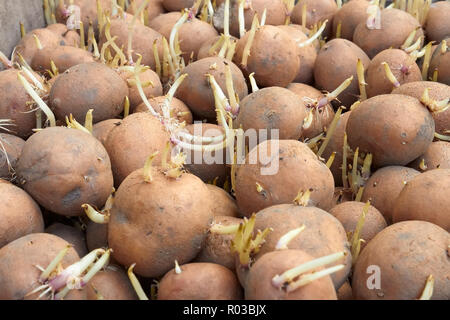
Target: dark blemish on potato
point(120, 217)
point(161, 209)
point(148, 233)
point(403, 134)
point(71, 196)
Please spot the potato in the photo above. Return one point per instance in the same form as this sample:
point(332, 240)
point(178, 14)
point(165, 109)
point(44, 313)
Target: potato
point(200, 281)
point(336, 62)
point(153, 9)
point(345, 291)
point(440, 61)
point(70, 37)
point(88, 86)
point(96, 235)
point(271, 109)
point(72, 235)
point(436, 209)
point(223, 203)
point(259, 285)
point(111, 283)
point(19, 214)
point(63, 168)
point(196, 91)
point(402, 65)
point(178, 108)
point(130, 144)
point(273, 56)
point(322, 117)
point(152, 224)
point(384, 186)
point(379, 126)
point(396, 25)
point(437, 156)
point(10, 150)
point(295, 169)
point(27, 46)
point(349, 213)
point(165, 22)
point(101, 129)
point(402, 256)
point(177, 5)
point(437, 25)
point(349, 16)
point(317, 11)
point(64, 57)
point(18, 260)
point(217, 247)
point(206, 47)
point(437, 91)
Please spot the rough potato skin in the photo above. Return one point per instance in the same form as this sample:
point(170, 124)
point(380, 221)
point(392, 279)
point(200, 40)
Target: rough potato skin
point(440, 61)
point(350, 15)
point(217, 247)
point(402, 66)
point(272, 108)
point(335, 63)
point(323, 234)
point(316, 11)
point(196, 91)
point(64, 57)
point(72, 235)
point(130, 144)
point(378, 126)
point(10, 150)
point(152, 224)
point(63, 168)
point(101, 129)
point(384, 186)
point(223, 203)
point(298, 169)
point(436, 209)
point(27, 45)
point(437, 25)
point(178, 108)
point(396, 25)
point(200, 281)
point(406, 253)
point(259, 284)
point(273, 58)
point(19, 214)
point(111, 283)
point(18, 260)
point(437, 91)
point(349, 213)
point(88, 86)
point(437, 156)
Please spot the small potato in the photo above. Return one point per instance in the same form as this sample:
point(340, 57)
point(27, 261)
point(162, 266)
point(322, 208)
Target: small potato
point(112, 283)
point(71, 234)
point(102, 129)
point(200, 281)
point(437, 156)
point(64, 57)
point(440, 63)
point(349, 213)
point(404, 254)
point(403, 67)
point(178, 108)
point(71, 37)
point(384, 186)
point(410, 204)
point(273, 56)
point(10, 150)
point(88, 86)
point(349, 16)
point(27, 46)
point(317, 11)
point(19, 214)
point(395, 128)
point(437, 25)
point(223, 203)
point(63, 168)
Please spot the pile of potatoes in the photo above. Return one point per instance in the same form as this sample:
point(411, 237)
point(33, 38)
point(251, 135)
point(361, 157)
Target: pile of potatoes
point(101, 120)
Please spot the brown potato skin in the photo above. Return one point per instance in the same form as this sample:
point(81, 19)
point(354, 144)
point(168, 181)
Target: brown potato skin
point(152, 224)
point(101, 129)
point(323, 235)
point(27, 45)
point(10, 149)
point(63, 168)
point(345, 291)
point(165, 22)
point(436, 209)
point(176, 106)
point(196, 91)
point(441, 62)
point(177, 5)
point(384, 186)
point(18, 274)
point(111, 283)
point(153, 9)
point(274, 57)
point(259, 284)
point(223, 203)
point(96, 235)
point(350, 15)
point(437, 156)
point(316, 11)
point(335, 63)
point(130, 144)
point(406, 253)
point(378, 126)
point(203, 52)
point(64, 58)
point(349, 213)
point(299, 169)
point(71, 37)
point(88, 86)
point(272, 108)
point(200, 281)
point(377, 81)
point(72, 235)
point(217, 247)
point(437, 25)
point(19, 214)
point(396, 25)
point(437, 91)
